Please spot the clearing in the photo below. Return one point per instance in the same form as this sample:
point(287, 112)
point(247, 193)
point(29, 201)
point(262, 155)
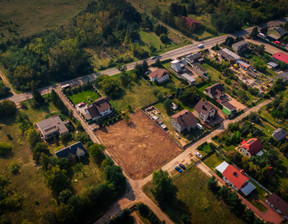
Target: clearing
point(87, 96)
point(140, 146)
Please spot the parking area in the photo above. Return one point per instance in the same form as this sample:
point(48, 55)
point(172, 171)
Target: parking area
point(139, 146)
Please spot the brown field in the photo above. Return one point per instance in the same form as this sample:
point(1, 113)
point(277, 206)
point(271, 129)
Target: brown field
point(139, 147)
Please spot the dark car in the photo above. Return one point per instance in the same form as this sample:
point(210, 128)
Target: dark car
point(178, 169)
point(182, 166)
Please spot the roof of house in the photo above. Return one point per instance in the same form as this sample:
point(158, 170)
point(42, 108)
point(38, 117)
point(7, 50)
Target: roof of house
point(244, 64)
point(272, 64)
point(239, 44)
point(204, 107)
point(281, 31)
point(159, 73)
point(278, 203)
point(248, 188)
point(283, 75)
point(188, 77)
point(221, 167)
point(253, 146)
point(52, 125)
point(279, 134)
point(185, 118)
point(281, 57)
point(273, 36)
point(234, 175)
point(190, 21)
point(193, 57)
point(229, 54)
point(215, 90)
point(98, 106)
point(75, 149)
point(228, 105)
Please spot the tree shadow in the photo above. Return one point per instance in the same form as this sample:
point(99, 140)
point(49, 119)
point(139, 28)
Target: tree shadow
point(178, 211)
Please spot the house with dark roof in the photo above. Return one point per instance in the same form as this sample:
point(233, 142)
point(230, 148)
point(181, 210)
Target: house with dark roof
point(279, 134)
point(160, 75)
point(197, 57)
point(250, 147)
point(51, 127)
point(240, 46)
point(99, 108)
point(228, 55)
point(235, 178)
point(278, 204)
point(76, 150)
point(206, 111)
point(215, 91)
point(201, 71)
point(281, 31)
point(184, 121)
point(192, 23)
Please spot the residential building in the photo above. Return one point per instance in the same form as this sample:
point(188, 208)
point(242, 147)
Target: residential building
point(272, 65)
point(184, 121)
point(188, 78)
point(76, 150)
point(228, 108)
point(99, 108)
point(279, 134)
point(240, 46)
point(206, 111)
point(283, 76)
point(277, 203)
point(176, 66)
point(234, 178)
point(51, 127)
point(281, 31)
point(201, 71)
point(250, 147)
point(228, 55)
point(281, 57)
point(243, 65)
point(160, 75)
point(215, 91)
point(192, 23)
point(272, 37)
point(192, 58)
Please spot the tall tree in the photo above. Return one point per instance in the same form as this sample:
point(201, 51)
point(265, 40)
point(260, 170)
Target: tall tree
point(36, 95)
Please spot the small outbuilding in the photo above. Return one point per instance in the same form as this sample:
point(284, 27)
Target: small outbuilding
point(279, 134)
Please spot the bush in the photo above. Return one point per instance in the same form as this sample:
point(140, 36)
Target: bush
point(14, 168)
point(147, 213)
point(5, 148)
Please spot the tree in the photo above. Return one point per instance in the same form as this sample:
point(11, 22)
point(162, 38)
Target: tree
point(14, 168)
point(164, 38)
point(213, 185)
point(5, 148)
point(33, 137)
point(40, 148)
point(254, 33)
point(7, 108)
point(36, 95)
point(64, 196)
point(189, 97)
point(158, 63)
point(113, 175)
point(163, 188)
point(168, 105)
point(97, 152)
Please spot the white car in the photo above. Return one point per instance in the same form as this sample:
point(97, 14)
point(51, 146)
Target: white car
point(200, 46)
point(199, 155)
point(178, 136)
point(152, 58)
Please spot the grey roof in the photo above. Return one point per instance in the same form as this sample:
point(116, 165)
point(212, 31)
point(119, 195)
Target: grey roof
point(281, 31)
point(52, 125)
point(74, 150)
point(222, 167)
point(193, 57)
point(239, 44)
point(272, 64)
point(279, 134)
point(273, 36)
point(229, 54)
point(247, 189)
point(188, 77)
point(283, 76)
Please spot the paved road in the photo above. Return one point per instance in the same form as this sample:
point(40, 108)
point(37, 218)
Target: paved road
point(188, 49)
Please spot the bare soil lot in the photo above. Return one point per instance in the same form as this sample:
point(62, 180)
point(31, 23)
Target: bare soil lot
point(139, 147)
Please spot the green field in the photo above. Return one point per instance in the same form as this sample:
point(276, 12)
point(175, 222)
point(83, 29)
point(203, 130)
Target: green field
point(83, 96)
point(195, 198)
point(33, 16)
point(140, 94)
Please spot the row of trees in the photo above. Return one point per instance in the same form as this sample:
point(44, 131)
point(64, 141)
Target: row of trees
point(4, 90)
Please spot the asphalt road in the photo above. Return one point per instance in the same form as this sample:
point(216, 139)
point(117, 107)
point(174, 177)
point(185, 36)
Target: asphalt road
point(188, 49)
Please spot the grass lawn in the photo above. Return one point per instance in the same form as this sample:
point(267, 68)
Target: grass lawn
point(266, 127)
point(83, 97)
point(150, 38)
point(213, 73)
point(38, 15)
point(196, 199)
point(140, 94)
point(277, 123)
point(213, 160)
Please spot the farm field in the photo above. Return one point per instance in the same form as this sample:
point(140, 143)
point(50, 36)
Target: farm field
point(34, 16)
point(195, 199)
point(139, 146)
point(83, 96)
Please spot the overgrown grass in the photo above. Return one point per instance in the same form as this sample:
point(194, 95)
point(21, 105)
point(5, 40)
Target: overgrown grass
point(83, 96)
point(213, 160)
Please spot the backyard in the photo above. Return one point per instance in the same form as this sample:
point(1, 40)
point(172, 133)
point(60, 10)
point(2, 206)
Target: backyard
point(195, 199)
point(86, 96)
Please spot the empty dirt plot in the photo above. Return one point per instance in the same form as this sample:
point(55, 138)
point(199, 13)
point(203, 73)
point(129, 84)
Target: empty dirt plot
point(139, 147)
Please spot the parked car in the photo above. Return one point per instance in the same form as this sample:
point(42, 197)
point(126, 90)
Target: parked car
point(178, 169)
point(152, 58)
point(81, 104)
point(182, 166)
point(201, 46)
point(178, 136)
point(199, 155)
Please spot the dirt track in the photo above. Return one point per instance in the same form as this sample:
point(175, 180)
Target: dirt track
point(139, 147)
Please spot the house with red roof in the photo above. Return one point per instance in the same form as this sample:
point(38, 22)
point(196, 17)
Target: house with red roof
point(250, 147)
point(281, 57)
point(160, 75)
point(235, 178)
point(192, 23)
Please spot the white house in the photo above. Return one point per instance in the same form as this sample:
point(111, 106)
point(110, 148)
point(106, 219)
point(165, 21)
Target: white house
point(175, 65)
point(100, 108)
point(160, 75)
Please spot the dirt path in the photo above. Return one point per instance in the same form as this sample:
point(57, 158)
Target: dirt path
point(6, 82)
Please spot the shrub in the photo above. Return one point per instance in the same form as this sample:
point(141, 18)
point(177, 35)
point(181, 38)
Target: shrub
point(14, 168)
point(5, 148)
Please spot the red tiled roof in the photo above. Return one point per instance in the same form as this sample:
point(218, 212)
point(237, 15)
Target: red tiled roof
point(253, 145)
point(281, 57)
point(159, 73)
point(234, 175)
point(190, 21)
